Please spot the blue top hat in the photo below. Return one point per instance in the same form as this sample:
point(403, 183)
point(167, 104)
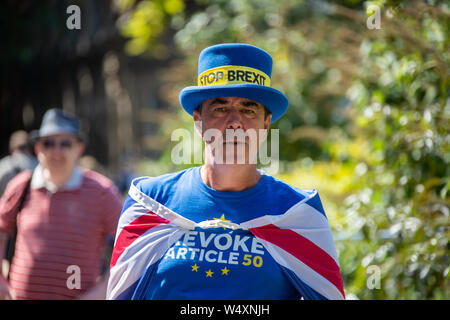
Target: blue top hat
point(234, 70)
point(57, 121)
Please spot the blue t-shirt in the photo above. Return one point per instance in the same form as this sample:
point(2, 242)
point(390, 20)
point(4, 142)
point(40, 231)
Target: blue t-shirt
point(218, 263)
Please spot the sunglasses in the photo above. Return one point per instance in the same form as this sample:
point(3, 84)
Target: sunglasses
point(64, 144)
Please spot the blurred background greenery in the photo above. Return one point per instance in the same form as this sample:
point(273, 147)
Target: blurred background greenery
point(367, 125)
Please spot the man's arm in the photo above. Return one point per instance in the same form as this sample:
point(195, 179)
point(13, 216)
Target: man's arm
point(5, 292)
point(10, 205)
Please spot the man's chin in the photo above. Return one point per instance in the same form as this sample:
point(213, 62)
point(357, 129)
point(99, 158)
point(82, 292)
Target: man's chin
point(58, 167)
point(237, 159)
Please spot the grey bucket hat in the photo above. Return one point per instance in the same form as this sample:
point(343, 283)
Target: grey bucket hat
point(57, 121)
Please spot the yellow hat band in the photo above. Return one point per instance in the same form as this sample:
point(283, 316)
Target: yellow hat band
point(233, 75)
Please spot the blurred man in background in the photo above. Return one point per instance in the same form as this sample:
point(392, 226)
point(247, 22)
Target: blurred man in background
point(65, 215)
point(21, 158)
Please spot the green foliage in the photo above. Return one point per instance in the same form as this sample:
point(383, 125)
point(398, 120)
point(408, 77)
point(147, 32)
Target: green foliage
point(390, 167)
point(144, 23)
point(400, 205)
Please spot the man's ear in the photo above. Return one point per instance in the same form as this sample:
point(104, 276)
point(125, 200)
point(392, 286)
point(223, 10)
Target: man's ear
point(198, 123)
point(38, 151)
point(81, 148)
point(37, 148)
point(196, 115)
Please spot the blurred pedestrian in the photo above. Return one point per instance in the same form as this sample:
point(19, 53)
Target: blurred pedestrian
point(63, 222)
point(20, 158)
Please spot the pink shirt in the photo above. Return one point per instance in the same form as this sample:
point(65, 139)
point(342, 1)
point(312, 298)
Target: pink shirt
point(61, 235)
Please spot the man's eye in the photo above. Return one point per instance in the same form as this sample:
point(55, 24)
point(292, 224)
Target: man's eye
point(220, 109)
point(248, 111)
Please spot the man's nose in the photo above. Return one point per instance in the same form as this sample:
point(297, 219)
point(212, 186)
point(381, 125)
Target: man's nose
point(58, 149)
point(234, 120)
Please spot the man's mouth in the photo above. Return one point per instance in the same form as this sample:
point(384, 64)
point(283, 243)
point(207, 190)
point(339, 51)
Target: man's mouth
point(235, 140)
point(58, 162)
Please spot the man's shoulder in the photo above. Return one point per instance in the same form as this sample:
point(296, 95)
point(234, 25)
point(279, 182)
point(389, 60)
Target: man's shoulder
point(16, 186)
point(152, 185)
point(20, 179)
point(287, 193)
point(281, 187)
point(8, 167)
point(5, 163)
point(95, 180)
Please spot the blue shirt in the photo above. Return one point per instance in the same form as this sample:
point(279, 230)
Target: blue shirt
point(218, 263)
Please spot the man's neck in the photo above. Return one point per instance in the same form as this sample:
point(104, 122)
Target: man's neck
point(57, 180)
point(232, 178)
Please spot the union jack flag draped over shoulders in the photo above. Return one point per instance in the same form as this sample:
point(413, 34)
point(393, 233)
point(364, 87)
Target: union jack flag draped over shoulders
point(299, 240)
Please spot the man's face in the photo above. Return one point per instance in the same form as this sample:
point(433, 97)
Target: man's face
point(59, 153)
point(239, 121)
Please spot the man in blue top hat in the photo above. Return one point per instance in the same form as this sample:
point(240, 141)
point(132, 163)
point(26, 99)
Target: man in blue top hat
point(225, 230)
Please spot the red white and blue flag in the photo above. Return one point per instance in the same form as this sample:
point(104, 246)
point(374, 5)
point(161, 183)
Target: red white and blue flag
point(299, 240)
